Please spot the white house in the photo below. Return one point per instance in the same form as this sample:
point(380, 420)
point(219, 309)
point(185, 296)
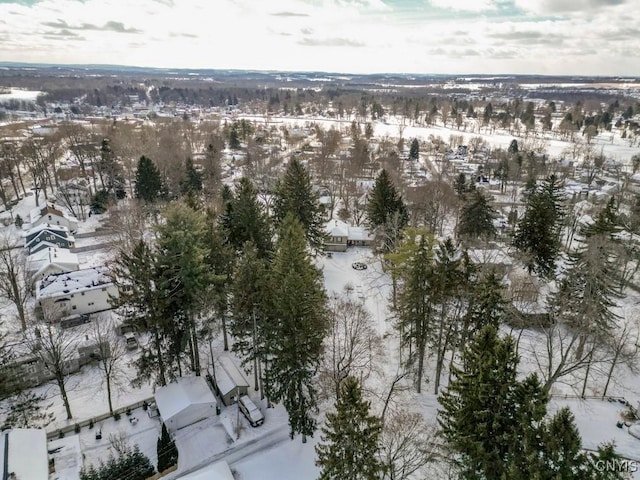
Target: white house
point(75, 293)
point(185, 402)
point(53, 214)
point(23, 454)
point(50, 261)
point(74, 193)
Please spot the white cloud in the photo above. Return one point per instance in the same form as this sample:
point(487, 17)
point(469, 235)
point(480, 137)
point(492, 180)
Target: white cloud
point(465, 5)
point(333, 35)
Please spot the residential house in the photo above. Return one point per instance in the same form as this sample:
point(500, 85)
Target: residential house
point(337, 236)
point(523, 286)
point(33, 372)
point(74, 193)
point(46, 235)
point(49, 261)
point(76, 293)
point(53, 214)
point(184, 402)
point(23, 454)
point(341, 235)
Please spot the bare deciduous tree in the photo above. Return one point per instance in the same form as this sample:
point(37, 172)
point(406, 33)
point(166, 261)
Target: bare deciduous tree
point(55, 348)
point(111, 354)
point(407, 444)
point(352, 347)
point(14, 285)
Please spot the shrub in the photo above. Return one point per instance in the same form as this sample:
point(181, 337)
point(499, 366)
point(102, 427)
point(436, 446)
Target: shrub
point(131, 464)
point(117, 416)
point(76, 428)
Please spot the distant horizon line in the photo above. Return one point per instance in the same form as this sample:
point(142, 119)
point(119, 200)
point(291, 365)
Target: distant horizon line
point(106, 66)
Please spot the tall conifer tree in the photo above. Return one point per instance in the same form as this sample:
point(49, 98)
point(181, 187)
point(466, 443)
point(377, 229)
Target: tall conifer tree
point(294, 194)
point(298, 307)
point(350, 437)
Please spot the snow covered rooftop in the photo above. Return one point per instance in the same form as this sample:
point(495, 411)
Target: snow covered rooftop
point(52, 255)
point(229, 376)
point(337, 228)
point(23, 452)
point(67, 456)
point(181, 394)
point(49, 208)
point(58, 229)
point(71, 282)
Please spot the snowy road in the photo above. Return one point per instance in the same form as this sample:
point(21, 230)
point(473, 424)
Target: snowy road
point(241, 451)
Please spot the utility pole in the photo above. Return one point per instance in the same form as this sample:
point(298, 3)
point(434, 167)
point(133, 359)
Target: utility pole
point(238, 412)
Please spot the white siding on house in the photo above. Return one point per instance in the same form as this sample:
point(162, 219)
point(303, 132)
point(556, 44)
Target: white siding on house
point(80, 292)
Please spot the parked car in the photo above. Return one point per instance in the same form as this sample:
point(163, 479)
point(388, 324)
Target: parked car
point(74, 320)
point(130, 340)
point(249, 410)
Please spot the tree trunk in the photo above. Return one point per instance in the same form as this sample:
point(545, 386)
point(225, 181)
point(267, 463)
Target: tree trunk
point(161, 369)
point(108, 380)
point(586, 376)
point(223, 317)
point(255, 356)
point(610, 374)
point(65, 398)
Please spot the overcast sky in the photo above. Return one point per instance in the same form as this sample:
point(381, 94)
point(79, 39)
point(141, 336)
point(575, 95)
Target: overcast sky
point(586, 37)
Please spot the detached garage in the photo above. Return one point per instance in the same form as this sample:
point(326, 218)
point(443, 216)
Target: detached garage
point(185, 402)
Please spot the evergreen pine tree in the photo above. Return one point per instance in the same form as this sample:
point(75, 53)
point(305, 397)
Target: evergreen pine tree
point(486, 302)
point(249, 292)
point(476, 218)
point(480, 418)
point(192, 183)
point(294, 343)
point(167, 451)
point(26, 411)
point(294, 194)
point(460, 184)
point(416, 304)
point(350, 437)
point(18, 221)
point(386, 212)
point(245, 220)
point(562, 447)
point(414, 150)
point(182, 255)
point(148, 180)
point(606, 222)
point(537, 235)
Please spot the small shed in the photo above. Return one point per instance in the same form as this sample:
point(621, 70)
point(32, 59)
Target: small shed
point(185, 402)
point(230, 381)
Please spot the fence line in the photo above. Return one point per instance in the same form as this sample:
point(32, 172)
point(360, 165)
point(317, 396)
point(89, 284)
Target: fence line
point(84, 423)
